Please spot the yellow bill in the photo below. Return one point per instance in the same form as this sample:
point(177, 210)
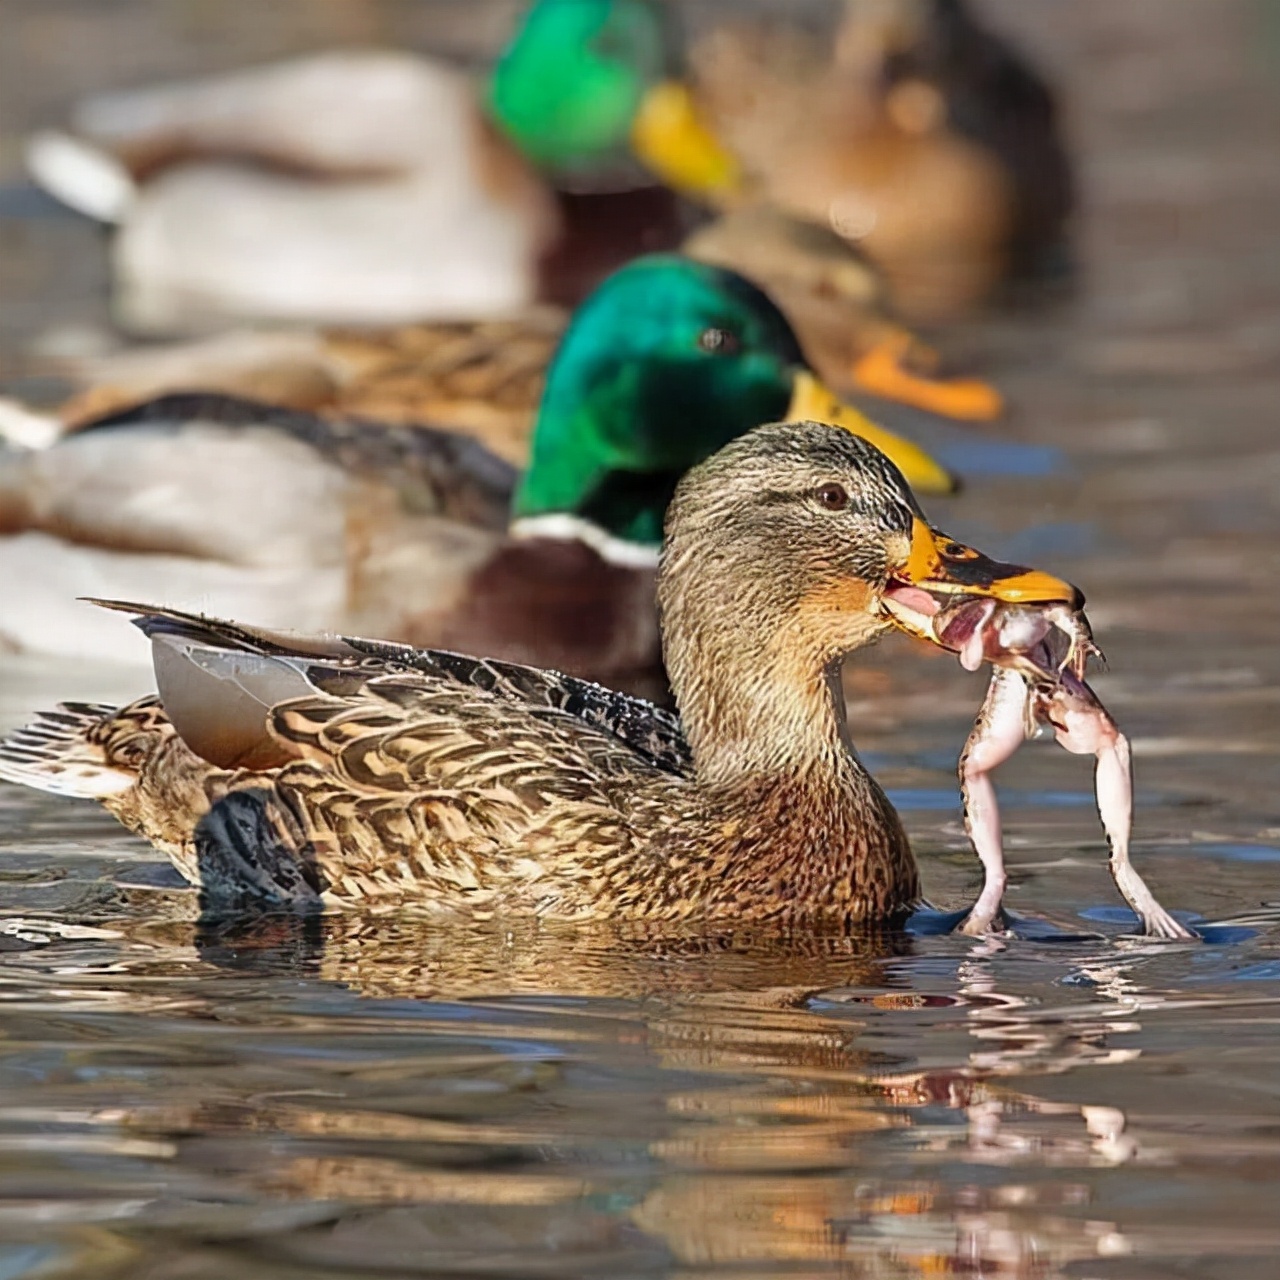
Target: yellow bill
point(669, 136)
point(812, 400)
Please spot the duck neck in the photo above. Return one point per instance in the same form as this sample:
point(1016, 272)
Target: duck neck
point(576, 473)
point(565, 526)
point(773, 714)
point(763, 710)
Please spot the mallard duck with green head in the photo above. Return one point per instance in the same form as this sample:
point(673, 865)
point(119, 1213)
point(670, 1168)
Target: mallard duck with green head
point(418, 535)
point(358, 774)
point(383, 187)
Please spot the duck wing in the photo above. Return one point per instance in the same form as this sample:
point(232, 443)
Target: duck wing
point(444, 472)
point(483, 377)
point(247, 509)
point(224, 683)
point(399, 775)
point(651, 732)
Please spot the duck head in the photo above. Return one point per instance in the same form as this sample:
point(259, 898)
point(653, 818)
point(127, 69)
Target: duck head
point(666, 362)
point(793, 546)
point(585, 82)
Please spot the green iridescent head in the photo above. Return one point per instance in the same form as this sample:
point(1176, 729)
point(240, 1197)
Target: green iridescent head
point(570, 83)
point(666, 362)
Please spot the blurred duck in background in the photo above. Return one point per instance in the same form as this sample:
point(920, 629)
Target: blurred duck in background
point(382, 187)
point(318, 523)
point(486, 377)
point(838, 301)
point(919, 134)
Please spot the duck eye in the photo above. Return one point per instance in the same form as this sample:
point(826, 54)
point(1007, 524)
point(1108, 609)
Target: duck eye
point(832, 496)
point(720, 342)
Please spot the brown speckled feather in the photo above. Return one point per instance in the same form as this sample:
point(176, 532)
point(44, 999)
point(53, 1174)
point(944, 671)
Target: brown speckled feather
point(422, 781)
point(485, 378)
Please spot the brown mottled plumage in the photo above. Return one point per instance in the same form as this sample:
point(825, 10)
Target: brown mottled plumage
point(484, 377)
point(365, 774)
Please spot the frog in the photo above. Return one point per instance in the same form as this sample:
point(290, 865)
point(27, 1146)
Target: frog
point(1039, 654)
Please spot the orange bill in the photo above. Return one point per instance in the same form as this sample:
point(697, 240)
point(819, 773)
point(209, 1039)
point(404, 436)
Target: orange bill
point(885, 371)
point(940, 571)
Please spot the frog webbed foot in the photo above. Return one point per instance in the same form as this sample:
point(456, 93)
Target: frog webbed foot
point(1158, 923)
point(981, 924)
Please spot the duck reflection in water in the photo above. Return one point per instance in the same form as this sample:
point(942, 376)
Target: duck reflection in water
point(751, 1109)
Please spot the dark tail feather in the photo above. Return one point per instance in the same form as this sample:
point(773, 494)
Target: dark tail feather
point(55, 753)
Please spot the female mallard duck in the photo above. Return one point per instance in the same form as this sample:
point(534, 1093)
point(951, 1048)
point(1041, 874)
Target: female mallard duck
point(354, 773)
point(486, 377)
point(339, 524)
point(379, 187)
point(839, 304)
point(925, 138)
